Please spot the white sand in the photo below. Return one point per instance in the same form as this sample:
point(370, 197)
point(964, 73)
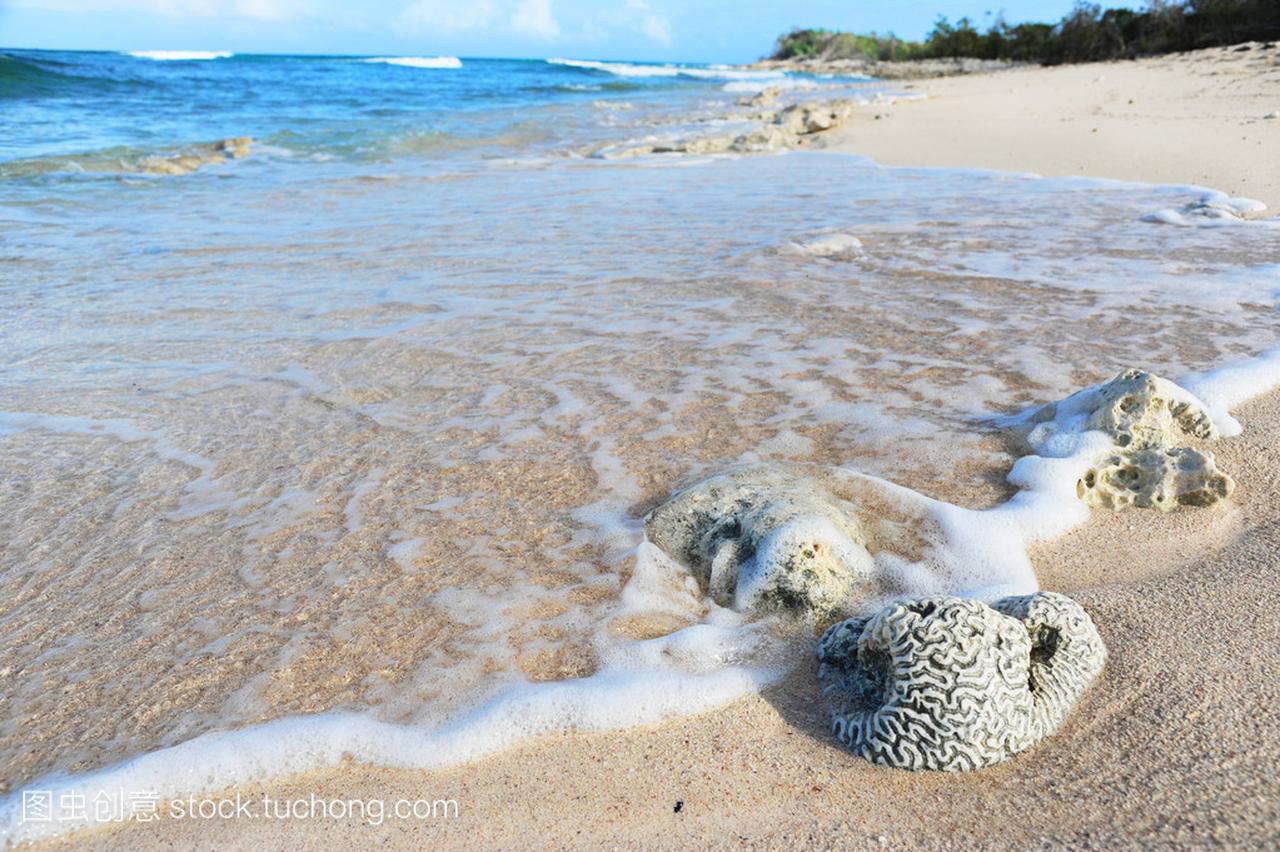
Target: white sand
point(1188, 118)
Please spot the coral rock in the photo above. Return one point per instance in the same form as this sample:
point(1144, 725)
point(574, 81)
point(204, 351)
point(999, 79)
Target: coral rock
point(1140, 411)
point(805, 118)
point(236, 146)
point(1155, 479)
point(1149, 419)
point(1154, 426)
point(953, 684)
point(769, 137)
point(765, 539)
point(764, 97)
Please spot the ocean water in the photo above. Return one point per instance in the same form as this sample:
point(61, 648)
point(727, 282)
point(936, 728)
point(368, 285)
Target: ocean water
point(108, 113)
point(342, 445)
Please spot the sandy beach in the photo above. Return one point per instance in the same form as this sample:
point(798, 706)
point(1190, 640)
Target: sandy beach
point(1175, 745)
point(1208, 118)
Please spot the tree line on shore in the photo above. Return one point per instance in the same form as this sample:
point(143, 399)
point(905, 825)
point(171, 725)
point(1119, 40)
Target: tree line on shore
point(1088, 33)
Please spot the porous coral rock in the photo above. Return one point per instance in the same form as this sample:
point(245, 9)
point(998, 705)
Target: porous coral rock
point(953, 684)
point(765, 539)
point(1140, 410)
point(768, 137)
point(1154, 479)
point(1150, 420)
point(764, 97)
point(815, 117)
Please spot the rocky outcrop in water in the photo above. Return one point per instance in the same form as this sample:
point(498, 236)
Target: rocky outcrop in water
point(805, 118)
point(764, 97)
point(197, 158)
point(953, 684)
point(795, 126)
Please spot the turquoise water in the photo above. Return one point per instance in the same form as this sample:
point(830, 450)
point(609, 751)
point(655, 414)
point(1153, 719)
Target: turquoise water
point(103, 105)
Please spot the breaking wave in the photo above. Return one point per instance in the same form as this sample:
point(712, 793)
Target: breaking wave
point(418, 61)
point(179, 55)
point(629, 69)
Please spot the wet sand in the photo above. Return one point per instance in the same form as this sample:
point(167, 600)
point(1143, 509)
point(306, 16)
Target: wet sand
point(1188, 118)
point(1175, 744)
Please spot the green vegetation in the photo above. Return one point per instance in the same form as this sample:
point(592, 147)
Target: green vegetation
point(1088, 33)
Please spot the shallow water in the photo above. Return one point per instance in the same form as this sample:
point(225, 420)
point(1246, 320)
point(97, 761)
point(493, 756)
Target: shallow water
point(285, 437)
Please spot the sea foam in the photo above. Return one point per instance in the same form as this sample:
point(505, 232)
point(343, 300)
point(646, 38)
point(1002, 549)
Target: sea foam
point(224, 759)
point(179, 55)
point(1213, 209)
point(442, 62)
point(630, 69)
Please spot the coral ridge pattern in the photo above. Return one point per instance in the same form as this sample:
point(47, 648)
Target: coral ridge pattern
point(953, 684)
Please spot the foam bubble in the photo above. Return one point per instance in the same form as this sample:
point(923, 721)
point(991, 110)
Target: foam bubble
point(1234, 383)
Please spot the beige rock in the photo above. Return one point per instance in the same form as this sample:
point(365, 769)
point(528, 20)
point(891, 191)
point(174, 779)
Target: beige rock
point(1140, 410)
point(707, 145)
point(762, 98)
point(1154, 479)
point(236, 147)
point(769, 137)
point(1154, 463)
point(805, 118)
point(204, 155)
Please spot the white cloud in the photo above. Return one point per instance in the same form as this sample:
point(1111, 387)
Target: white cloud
point(252, 10)
point(534, 17)
point(445, 16)
point(649, 22)
point(530, 19)
point(266, 10)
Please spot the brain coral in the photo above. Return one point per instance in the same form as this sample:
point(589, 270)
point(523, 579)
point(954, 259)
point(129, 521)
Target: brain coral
point(953, 684)
point(765, 539)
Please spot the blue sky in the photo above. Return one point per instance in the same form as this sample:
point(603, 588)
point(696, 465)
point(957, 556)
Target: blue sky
point(692, 30)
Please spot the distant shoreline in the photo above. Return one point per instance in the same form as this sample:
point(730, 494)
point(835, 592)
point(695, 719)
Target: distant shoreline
point(907, 69)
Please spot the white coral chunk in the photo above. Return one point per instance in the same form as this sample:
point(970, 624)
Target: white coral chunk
point(953, 684)
point(765, 539)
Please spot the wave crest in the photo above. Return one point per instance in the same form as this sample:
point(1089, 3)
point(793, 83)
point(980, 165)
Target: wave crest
point(179, 55)
point(418, 61)
point(630, 69)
